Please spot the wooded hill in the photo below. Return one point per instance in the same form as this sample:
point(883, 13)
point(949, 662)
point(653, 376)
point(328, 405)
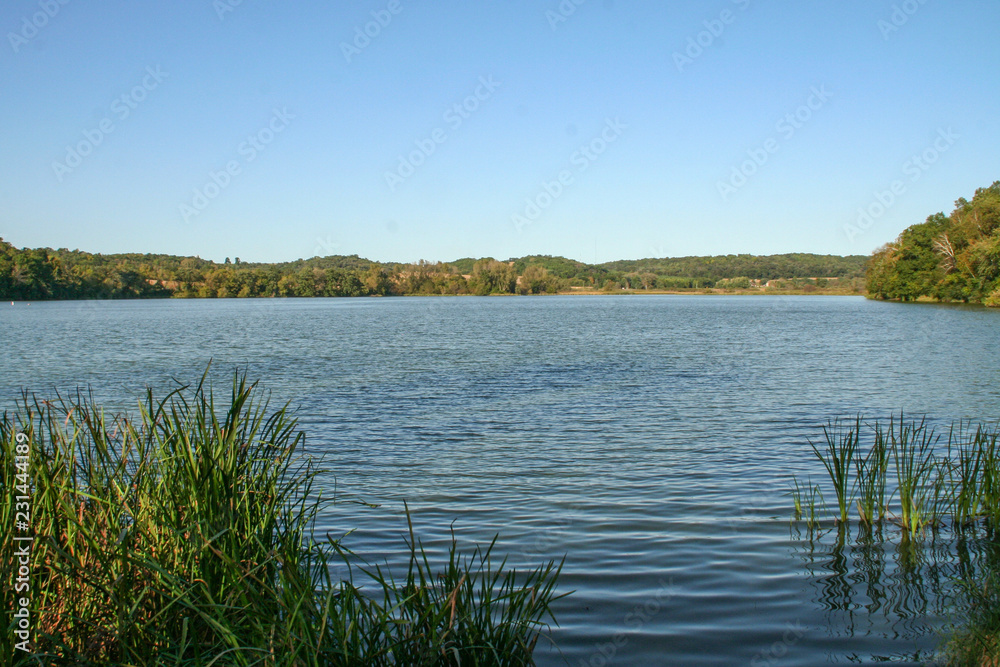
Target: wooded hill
point(43, 273)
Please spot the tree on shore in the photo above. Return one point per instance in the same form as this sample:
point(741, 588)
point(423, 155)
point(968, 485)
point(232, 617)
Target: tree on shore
point(949, 258)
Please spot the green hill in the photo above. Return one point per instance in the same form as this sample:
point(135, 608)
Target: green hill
point(43, 273)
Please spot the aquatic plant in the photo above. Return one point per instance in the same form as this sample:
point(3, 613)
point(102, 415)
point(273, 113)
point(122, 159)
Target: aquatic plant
point(917, 481)
point(989, 485)
point(931, 482)
point(965, 475)
point(807, 499)
point(841, 447)
point(185, 536)
point(870, 473)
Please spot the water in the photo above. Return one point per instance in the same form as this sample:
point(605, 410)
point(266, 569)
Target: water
point(650, 440)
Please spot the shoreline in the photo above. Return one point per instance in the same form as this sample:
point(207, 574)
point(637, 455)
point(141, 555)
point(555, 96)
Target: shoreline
point(691, 292)
point(713, 292)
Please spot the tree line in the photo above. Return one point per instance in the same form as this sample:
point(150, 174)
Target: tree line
point(44, 273)
point(948, 258)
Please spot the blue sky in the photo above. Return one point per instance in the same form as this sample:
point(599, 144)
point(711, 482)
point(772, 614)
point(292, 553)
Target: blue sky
point(600, 130)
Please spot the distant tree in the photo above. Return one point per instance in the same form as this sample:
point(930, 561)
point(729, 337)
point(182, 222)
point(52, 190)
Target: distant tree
point(492, 277)
point(377, 281)
point(535, 280)
point(740, 282)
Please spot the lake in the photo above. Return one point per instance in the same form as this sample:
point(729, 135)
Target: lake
point(649, 439)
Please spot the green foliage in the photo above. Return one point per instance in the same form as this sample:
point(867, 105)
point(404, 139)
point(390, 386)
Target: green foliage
point(185, 537)
point(537, 280)
point(559, 267)
point(425, 278)
point(960, 480)
point(977, 642)
point(741, 282)
point(492, 277)
point(72, 274)
point(757, 267)
point(949, 258)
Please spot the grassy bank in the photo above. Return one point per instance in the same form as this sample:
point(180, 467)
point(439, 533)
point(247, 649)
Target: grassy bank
point(184, 536)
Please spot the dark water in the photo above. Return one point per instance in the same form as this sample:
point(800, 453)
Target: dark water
point(649, 439)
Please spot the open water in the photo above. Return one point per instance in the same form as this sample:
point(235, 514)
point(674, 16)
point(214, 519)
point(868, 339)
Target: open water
point(650, 440)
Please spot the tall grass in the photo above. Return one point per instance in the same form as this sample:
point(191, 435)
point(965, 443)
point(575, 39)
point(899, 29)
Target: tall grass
point(185, 535)
point(870, 473)
point(918, 475)
point(902, 471)
point(841, 447)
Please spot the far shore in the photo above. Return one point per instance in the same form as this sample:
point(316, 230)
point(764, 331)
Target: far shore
point(721, 292)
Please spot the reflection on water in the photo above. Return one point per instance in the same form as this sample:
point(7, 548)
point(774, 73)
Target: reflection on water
point(879, 580)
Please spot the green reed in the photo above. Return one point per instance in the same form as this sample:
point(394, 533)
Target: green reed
point(903, 465)
point(870, 475)
point(966, 476)
point(471, 612)
point(807, 499)
point(986, 442)
point(185, 536)
point(797, 501)
point(918, 479)
point(841, 447)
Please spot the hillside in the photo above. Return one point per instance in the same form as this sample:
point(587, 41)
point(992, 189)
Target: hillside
point(44, 273)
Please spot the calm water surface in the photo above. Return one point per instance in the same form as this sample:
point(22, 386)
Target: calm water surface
point(650, 440)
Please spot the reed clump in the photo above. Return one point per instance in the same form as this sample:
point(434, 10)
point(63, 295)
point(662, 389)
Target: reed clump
point(184, 536)
point(905, 472)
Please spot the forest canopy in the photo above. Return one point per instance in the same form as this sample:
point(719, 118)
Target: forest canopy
point(43, 273)
point(948, 258)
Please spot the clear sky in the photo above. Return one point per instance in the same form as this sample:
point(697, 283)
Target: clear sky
point(593, 129)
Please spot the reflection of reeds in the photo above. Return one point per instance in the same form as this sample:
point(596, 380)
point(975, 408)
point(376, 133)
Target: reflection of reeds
point(900, 581)
point(977, 643)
